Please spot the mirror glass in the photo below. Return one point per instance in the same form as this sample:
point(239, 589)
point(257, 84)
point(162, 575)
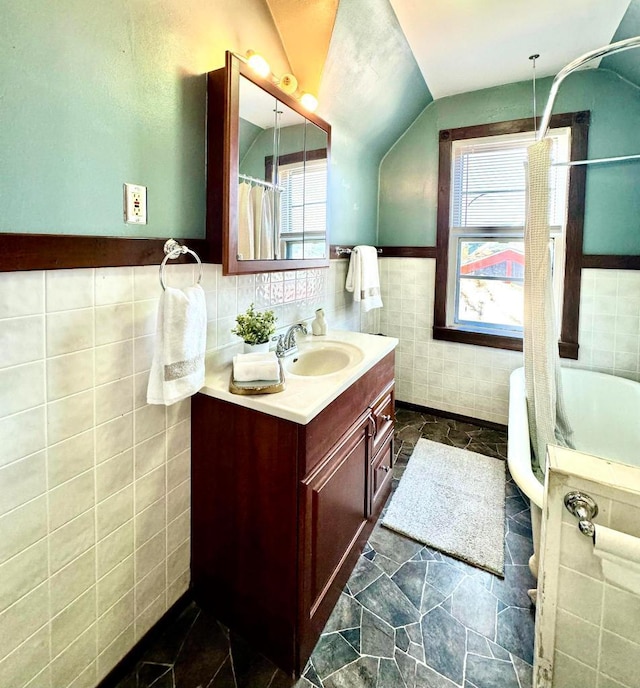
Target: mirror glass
point(282, 180)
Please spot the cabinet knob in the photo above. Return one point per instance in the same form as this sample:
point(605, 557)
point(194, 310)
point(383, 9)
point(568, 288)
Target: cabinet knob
point(386, 469)
point(386, 417)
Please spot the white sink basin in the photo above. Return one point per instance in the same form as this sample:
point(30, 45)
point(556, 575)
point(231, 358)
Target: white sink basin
point(323, 358)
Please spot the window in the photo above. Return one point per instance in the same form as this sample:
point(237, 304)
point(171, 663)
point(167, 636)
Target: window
point(303, 213)
point(303, 202)
point(481, 214)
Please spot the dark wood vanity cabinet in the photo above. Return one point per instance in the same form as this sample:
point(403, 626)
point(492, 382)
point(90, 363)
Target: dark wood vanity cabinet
point(281, 511)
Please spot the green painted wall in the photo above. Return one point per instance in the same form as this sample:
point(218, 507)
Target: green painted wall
point(627, 63)
point(97, 94)
point(409, 172)
point(292, 140)
point(371, 91)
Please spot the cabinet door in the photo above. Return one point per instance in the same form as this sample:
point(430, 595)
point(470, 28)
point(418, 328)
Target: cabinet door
point(334, 517)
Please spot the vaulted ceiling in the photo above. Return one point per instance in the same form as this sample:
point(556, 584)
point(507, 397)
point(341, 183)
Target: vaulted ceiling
point(458, 45)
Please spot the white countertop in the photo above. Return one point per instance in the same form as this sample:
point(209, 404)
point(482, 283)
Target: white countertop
point(304, 396)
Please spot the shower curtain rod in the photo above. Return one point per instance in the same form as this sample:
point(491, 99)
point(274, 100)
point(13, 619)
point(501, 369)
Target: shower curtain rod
point(595, 161)
point(261, 182)
point(617, 47)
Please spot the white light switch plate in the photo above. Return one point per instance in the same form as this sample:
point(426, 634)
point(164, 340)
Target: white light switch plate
point(135, 204)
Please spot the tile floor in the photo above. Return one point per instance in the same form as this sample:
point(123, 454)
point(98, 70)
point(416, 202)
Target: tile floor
point(409, 617)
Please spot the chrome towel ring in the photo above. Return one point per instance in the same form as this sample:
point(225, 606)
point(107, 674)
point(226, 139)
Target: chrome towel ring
point(172, 250)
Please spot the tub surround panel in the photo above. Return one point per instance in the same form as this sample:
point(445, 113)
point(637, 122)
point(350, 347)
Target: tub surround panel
point(588, 627)
point(94, 483)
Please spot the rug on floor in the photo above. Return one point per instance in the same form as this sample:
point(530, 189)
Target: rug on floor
point(453, 500)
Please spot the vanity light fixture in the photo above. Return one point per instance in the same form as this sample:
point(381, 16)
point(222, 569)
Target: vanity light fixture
point(309, 101)
point(258, 64)
point(286, 83)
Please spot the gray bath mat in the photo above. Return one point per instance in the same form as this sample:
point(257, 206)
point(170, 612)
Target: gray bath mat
point(453, 500)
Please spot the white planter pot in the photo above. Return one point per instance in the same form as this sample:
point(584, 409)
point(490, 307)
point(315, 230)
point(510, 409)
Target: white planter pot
point(256, 348)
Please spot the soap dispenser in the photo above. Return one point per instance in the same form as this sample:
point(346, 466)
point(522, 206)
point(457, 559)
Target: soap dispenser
point(319, 325)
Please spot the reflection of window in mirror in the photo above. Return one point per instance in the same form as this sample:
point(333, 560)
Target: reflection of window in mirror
point(302, 179)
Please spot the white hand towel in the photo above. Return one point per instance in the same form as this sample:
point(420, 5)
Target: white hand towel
point(177, 369)
point(253, 367)
point(363, 279)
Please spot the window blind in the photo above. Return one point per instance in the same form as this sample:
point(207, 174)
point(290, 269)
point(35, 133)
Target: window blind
point(489, 182)
point(304, 198)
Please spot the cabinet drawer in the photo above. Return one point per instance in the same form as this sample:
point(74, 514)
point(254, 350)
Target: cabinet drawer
point(383, 417)
point(381, 475)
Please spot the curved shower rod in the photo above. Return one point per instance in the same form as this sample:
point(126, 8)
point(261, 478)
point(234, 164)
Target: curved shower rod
point(617, 47)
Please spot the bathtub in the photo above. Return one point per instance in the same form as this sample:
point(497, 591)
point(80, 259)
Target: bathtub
point(604, 412)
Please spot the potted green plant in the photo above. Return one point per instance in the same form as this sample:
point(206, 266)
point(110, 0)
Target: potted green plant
point(255, 328)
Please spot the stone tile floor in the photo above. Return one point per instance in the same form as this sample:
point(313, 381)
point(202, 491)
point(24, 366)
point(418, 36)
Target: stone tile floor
point(409, 617)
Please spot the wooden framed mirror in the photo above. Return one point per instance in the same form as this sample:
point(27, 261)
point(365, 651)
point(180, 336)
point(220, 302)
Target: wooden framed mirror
point(267, 169)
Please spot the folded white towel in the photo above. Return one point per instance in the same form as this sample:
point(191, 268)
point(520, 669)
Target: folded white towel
point(252, 367)
point(362, 277)
point(177, 369)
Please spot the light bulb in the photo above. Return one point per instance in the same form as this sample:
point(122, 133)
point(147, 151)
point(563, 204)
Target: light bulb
point(259, 65)
point(308, 101)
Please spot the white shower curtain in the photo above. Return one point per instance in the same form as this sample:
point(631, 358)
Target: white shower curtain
point(548, 422)
point(257, 197)
point(245, 222)
point(266, 229)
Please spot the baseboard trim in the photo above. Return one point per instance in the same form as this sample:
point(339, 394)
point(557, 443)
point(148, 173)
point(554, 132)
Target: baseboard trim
point(448, 414)
point(127, 664)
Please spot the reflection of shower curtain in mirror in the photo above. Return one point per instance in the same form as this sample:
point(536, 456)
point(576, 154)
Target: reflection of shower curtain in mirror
point(245, 223)
point(257, 198)
point(279, 247)
point(266, 229)
point(257, 209)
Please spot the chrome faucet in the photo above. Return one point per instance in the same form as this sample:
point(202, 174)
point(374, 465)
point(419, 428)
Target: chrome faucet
point(287, 342)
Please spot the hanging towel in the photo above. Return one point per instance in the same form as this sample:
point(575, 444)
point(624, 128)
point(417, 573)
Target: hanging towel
point(177, 369)
point(257, 198)
point(362, 277)
point(245, 223)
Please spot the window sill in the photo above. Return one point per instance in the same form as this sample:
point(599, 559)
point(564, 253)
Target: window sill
point(450, 334)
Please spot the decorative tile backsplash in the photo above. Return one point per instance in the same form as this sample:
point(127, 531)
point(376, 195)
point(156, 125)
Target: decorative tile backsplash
point(94, 483)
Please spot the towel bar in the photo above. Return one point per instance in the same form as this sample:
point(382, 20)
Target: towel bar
point(340, 250)
point(173, 249)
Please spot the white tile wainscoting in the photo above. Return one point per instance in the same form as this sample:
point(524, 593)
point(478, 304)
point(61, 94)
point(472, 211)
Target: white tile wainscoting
point(473, 380)
point(94, 483)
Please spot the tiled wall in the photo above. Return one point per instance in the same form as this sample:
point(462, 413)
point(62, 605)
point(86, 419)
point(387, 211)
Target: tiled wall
point(94, 483)
point(588, 633)
point(473, 380)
